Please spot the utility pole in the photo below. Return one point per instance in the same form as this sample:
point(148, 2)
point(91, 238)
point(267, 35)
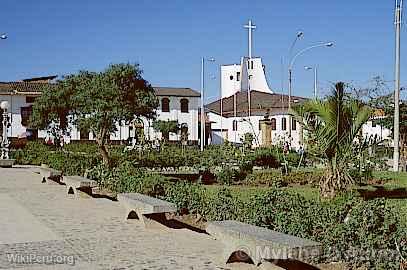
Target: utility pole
point(202, 103)
point(397, 22)
point(316, 82)
point(203, 133)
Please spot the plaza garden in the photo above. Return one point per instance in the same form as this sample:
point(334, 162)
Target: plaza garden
point(338, 193)
point(349, 225)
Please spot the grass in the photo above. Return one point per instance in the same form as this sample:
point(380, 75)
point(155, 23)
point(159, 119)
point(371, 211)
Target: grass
point(394, 179)
point(245, 192)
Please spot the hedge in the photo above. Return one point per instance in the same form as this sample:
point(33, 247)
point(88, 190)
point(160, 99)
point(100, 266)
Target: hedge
point(345, 226)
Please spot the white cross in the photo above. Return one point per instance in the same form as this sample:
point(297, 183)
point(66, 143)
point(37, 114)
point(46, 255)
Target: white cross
point(250, 27)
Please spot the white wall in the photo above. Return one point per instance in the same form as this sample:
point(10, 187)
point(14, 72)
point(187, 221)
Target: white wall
point(229, 79)
point(229, 83)
point(379, 131)
point(15, 104)
point(190, 118)
point(252, 126)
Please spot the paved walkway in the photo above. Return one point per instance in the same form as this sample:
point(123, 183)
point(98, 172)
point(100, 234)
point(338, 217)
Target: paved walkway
point(41, 227)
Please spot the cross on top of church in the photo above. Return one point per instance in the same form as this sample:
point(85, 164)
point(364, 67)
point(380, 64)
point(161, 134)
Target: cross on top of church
point(250, 27)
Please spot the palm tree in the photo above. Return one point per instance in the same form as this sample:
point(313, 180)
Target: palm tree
point(333, 125)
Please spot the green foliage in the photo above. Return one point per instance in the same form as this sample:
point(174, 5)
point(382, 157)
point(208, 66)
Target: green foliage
point(69, 163)
point(188, 197)
point(343, 225)
point(82, 147)
point(226, 175)
point(166, 127)
point(265, 157)
point(275, 178)
point(248, 140)
point(97, 101)
point(127, 178)
point(168, 156)
point(333, 125)
point(346, 226)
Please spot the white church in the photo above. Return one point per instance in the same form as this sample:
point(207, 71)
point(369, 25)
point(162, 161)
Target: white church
point(246, 99)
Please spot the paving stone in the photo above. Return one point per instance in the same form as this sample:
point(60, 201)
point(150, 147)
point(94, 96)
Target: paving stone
point(93, 232)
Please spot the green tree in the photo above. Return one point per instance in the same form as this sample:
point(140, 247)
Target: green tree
point(385, 111)
point(166, 127)
point(333, 125)
point(97, 101)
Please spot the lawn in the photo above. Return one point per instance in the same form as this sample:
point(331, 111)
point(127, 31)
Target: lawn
point(393, 181)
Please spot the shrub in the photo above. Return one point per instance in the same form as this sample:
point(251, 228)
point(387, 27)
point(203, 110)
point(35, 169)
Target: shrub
point(274, 178)
point(127, 178)
point(226, 175)
point(265, 157)
point(36, 153)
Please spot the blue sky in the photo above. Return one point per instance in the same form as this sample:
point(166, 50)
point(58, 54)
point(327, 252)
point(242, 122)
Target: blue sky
point(168, 38)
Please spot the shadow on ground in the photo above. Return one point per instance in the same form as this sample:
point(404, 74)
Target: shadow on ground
point(382, 192)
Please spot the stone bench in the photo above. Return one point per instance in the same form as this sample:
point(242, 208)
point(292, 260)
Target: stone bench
point(150, 211)
point(76, 184)
point(49, 173)
point(244, 241)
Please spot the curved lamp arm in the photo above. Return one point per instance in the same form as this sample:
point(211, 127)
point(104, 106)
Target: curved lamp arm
point(326, 44)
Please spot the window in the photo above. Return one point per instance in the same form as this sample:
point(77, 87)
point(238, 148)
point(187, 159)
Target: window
point(273, 124)
point(165, 105)
point(293, 124)
point(25, 115)
point(234, 125)
point(283, 123)
point(231, 77)
point(29, 99)
point(238, 76)
point(32, 134)
point(184, 105)
point(250, 64)
point(373, 124)
point(84, 134)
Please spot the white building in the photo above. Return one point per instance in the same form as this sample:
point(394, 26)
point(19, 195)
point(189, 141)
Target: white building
point(180, 104)
point(246, 98)
point(233, 121)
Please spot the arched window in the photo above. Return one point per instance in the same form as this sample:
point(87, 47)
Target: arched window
point(293, 124)
point(283, 123)
point(184, 105)
point(273, 124)
point(165, 105)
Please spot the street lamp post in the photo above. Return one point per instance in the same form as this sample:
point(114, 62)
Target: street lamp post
point(397, 23)
point(315, 68)
point(4, 141)
point(202, 100)
point(290, 72)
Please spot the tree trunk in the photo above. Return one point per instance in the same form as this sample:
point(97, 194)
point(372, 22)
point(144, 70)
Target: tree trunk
point(105, 155)
point(101, 141)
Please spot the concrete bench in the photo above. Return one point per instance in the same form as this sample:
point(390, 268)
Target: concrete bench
point(244, 241)
point(76, 184)
point(49, 173)
point(150, 211)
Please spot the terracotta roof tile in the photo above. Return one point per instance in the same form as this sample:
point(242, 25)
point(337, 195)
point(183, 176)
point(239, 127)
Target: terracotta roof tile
point(23, 87)
point(173, 91)
point(260, 102)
